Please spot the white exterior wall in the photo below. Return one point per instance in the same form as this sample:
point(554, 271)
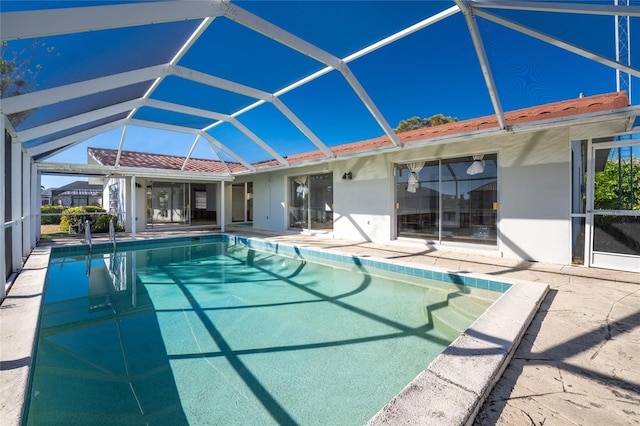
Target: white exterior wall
point(535, 198)
point(269, 198)
point(533, 193)
point(364, 205)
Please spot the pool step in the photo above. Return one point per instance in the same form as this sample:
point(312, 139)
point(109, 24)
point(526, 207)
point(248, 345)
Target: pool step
point(450, 313)
point(469, 305)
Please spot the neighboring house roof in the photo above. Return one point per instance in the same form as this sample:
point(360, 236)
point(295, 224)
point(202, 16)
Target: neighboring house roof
point(573, 107)
point(77, 188)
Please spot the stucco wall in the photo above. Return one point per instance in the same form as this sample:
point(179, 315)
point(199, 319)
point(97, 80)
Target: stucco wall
point(534, 193)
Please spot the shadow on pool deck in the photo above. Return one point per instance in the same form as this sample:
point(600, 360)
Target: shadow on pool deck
point(577, 362)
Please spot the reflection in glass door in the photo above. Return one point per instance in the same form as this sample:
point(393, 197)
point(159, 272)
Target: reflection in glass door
point(615, 201)
point(311, 202)
point(167, 203)
point(448, 200)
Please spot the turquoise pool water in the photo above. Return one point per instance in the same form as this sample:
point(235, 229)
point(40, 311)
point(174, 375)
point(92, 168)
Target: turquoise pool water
point(214, 332)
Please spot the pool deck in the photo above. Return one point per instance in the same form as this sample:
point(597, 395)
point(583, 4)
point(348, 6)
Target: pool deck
point(577, 363)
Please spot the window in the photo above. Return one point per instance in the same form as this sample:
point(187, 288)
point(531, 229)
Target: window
point(448, 200)
point(201, 199)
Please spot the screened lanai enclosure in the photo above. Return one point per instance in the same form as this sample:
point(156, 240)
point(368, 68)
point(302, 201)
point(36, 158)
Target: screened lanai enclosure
point(285, 116)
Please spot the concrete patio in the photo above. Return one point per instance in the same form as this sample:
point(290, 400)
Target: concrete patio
point(578, 361)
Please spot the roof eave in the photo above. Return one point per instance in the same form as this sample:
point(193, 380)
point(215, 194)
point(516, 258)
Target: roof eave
point(629, 113)
point(139, 172)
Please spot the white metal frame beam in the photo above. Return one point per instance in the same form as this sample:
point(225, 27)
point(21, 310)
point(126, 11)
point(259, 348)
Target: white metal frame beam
point(77, 120)
point(468, 12)
point(576, 8)
point(267, 29)
point(248, 133)
point(217, 116)
point(43, 23)
point(284, 110)
point(123, 135)
point(193, 146)
point(216, 144)
point(559, 43)
point(69, 141)
point(67, 92)
point(158, 73)
point(74, 20)
point(182, 129)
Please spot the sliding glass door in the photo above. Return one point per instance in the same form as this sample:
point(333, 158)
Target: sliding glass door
point(311, 202)
point(448, 200)
point(167, 203)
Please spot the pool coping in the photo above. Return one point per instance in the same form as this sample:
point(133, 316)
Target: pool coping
point(443, 394)
point(19, 315)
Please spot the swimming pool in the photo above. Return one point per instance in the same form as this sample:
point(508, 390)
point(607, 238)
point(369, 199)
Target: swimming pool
point(235, 331)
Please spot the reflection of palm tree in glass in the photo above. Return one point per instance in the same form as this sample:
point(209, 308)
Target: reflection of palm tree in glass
point(301, 192)
point(163, 201)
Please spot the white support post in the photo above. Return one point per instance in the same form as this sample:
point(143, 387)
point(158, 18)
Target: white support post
point(3, 269)
point(36, 203)
point(133, 208)
point(26, 204)
point(222, 204)
point(38, 206)
point(16, 205)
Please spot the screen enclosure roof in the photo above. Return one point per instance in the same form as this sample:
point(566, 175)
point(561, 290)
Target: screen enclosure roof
point(257, 82)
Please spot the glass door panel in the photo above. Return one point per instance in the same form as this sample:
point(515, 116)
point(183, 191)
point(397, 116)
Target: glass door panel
point(237, 202)
point(249, 201)
point(417, 200)
point(167, 203)
point(616, 206)
point(469, 193)
point(448, 200)
point(321, 201)
point(298, 201)
point(311, 202)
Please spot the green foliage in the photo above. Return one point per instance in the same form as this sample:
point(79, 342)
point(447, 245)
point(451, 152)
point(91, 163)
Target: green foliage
point(18, 71)
point(51, 220)
point(414, 123)
point(99, 223)
point(614, 188)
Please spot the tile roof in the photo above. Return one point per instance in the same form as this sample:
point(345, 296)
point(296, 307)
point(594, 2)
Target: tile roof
point(568, 108)
point(107, 157)
point(582, 105)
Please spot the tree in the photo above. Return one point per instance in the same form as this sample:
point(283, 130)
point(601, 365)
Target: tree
point(617, 186)
point(414, 123)
point(18, 71)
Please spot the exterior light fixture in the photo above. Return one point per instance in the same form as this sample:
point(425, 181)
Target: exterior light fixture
point(477, 166)
point(347, 176)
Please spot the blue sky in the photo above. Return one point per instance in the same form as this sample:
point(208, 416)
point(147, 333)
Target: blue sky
point(432, 71)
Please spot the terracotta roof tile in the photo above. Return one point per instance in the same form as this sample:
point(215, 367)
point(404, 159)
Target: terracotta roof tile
point(107, 157)
point(597, 103)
